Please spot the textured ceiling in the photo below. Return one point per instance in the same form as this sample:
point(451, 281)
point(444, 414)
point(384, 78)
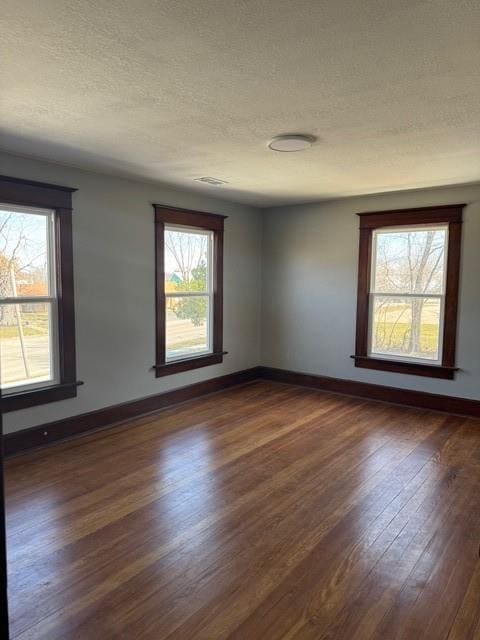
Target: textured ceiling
point(181, 89)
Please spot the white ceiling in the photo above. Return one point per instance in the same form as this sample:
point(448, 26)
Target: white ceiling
point(175, 90)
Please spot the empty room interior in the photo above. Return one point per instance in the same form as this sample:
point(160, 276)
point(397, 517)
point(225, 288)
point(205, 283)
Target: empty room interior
point(239, 320)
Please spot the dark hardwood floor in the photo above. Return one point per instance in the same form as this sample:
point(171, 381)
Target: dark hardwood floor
point(263, 512)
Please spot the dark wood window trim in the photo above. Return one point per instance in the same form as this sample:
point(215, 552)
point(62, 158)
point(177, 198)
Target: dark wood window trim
point(448, 214)
point(20, 192)
point(211, 222)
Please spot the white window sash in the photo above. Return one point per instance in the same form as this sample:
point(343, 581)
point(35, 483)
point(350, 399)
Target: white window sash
point(13, 387)
point(406, 358)
point(187, 294)
point(380, 294)
point(208, 293)
point(51, 300)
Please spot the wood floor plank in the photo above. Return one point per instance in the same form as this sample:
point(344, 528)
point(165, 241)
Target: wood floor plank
point(466, 625)
point(263, 512)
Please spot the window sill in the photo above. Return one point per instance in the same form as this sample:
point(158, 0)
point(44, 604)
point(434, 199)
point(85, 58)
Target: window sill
point(169, 368)
point(26, 399)
point(411, 368)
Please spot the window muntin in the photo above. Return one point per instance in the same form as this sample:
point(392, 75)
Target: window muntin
point(188, 268)
point(28, 299)
point(407, 293)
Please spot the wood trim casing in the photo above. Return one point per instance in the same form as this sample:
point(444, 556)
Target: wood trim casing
point(218, 292)
point(160, 322)
point(4, 622)
point(49, 196)
point(399, 366)
point(369, 221)
point(26, 399)
point(73, 426)
point(451, 291)
point(29, 193)
point(420, 215)
point(189, 218)
point(65, 293)
point(211, 222)
point(189, 363)
point(364, 271)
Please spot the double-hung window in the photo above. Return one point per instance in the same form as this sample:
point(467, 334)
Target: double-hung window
point(28, 299)
point(188, 292)
point(37, 342)
point(189, 265)
point(408, 290)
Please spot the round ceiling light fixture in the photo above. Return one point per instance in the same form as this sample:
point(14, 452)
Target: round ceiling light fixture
point(288, 143)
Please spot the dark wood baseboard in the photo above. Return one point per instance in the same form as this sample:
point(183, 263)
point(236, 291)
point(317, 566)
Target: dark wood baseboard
point(27, 439)
point(394, 395)
point(51, 432)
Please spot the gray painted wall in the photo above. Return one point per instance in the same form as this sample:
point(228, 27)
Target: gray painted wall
point(302, 318)
point(114, 287)
point(310, 255)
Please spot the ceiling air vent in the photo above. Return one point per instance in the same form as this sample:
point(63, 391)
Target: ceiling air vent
point(213, 181)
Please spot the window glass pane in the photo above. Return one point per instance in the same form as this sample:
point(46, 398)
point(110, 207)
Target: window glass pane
point(410, 261)
point(23, 253)
point(187, 321)
point(186, 261)
point(25, 344)
point(406, 327)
